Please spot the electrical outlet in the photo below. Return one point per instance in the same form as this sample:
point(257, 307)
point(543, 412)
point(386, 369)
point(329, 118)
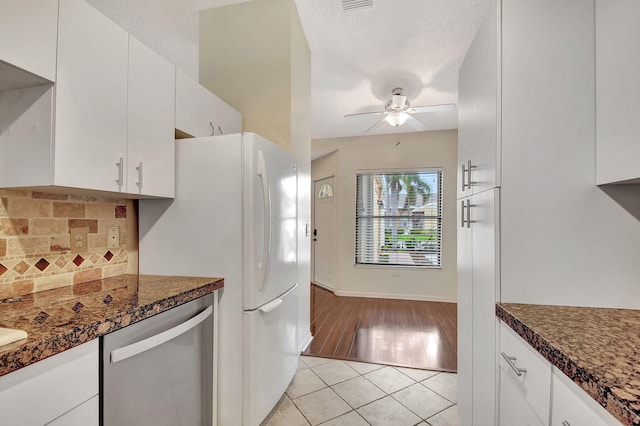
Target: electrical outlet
point(79, 241)
point(113, 237)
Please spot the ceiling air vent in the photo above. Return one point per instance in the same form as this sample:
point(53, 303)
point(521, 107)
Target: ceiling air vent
point(352, 5)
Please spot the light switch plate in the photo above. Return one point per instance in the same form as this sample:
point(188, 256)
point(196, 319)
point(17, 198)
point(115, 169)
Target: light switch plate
point(113, 237)
point(79, 240)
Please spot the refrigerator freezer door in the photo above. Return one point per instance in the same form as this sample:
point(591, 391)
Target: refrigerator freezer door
point(270, 187)
point(270, 355)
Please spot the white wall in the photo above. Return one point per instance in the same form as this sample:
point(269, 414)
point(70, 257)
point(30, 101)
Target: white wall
point(415, 150)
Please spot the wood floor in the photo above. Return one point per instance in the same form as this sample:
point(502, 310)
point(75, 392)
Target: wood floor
point(396, 332)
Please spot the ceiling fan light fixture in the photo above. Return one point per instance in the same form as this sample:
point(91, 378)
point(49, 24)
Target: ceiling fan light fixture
point(396, 119)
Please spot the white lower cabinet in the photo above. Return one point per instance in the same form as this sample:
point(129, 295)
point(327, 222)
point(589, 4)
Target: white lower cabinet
point(43, 392)
point(528, 370)
point(514, 409)
point(571, 406)
point(85, 414)
point(534, 393)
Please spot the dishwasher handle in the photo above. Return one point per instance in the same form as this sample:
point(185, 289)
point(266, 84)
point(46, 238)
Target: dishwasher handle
point(134, 349)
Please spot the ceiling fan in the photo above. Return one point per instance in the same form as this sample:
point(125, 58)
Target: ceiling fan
point(397, 111)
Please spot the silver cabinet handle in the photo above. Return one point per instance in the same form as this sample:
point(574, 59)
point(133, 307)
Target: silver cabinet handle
point(462, 207)
point(139, 182)
point(120, 180)
point(469, 180)
point(510, 360)
point(134, 349)
point(464, 185)
point(467, 170)
point(468, 207)
point(565, 423)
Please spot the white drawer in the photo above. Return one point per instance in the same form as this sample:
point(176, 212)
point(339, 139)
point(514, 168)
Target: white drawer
point(41, 392)
point(534, 384)
point(574, 407)
point(514, 410)
point(85, 414)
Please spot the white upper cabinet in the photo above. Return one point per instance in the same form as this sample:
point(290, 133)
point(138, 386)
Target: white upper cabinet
point(617, 91)
point(151, 145)
point(27, 41)
point(478, 119)
point(91, 100)
point(201, 113)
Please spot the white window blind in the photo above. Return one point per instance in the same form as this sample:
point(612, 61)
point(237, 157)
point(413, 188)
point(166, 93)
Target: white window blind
point(399, 218)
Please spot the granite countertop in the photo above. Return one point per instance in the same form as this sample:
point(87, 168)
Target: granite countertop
point(598, 348)
point(59, 319)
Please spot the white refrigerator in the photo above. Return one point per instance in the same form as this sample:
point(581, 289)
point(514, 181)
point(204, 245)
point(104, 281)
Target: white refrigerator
point(235, 216)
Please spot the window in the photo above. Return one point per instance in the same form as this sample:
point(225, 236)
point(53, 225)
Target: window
point(399, 218)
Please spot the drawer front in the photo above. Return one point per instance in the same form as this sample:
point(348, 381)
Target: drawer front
point(54, 386)
point(85, 414)
point(571, 406)
point(534, 384)
point(514, 410)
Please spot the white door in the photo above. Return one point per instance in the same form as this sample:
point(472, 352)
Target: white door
point(324, 232)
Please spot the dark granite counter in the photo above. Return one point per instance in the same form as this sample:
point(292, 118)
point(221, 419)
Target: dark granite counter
point(59, 319)
point(598, 348)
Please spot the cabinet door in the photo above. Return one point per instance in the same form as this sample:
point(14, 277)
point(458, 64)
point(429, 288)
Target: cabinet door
point(85, 414)
point(478, 111)
point(571, 406)
point(514, 410)
point(200, 113)
point(151, 106)
point(41, 392)
point(477, 295)
point(28, 36)
point(483, 214)
point(465, 319)
point(91, 99)
point(617, 90)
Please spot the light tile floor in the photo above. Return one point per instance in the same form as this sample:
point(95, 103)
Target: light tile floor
point(345, 393)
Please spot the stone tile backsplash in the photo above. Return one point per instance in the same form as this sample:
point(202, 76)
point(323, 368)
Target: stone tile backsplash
point(35, 240)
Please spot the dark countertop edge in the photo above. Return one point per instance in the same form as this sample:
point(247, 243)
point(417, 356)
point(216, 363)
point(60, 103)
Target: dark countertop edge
point(40, 350)
point(586, 380)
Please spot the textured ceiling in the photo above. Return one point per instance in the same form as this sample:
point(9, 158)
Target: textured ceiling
point(358, 57)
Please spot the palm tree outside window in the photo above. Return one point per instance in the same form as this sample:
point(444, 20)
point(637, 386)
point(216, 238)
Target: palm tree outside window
point(399, 218)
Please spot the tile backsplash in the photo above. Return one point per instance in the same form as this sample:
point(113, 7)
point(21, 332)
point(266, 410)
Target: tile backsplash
point(35, 240)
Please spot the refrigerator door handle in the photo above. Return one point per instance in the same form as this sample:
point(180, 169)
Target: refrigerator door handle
point(271, 306)
point(266, 244)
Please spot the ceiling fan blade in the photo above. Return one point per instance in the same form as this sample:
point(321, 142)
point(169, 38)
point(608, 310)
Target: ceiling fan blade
point(416, 124)
point(378, 123)
point(432, 108)
point(367, 113)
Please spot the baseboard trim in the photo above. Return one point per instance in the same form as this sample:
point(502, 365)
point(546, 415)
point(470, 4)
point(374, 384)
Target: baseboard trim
point(305, 343)
point(395, 296)
point(326, 287)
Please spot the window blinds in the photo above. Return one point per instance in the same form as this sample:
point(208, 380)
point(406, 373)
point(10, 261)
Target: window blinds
point(399, 218)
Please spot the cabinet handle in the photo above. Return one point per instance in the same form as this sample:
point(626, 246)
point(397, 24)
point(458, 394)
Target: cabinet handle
point(139, 182)
point(468, 207)
point(462, 207)
point(565, 423)
point(464, 185)
point(510, 360)
point(213, 129)
point(469, 180)
point(120, 180)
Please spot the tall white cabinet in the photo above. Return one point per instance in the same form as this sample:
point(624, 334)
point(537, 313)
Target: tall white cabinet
point(527, 128)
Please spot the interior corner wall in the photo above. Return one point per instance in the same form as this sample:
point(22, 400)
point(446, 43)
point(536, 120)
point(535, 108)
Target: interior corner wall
point(245, 59)
point(406, 151)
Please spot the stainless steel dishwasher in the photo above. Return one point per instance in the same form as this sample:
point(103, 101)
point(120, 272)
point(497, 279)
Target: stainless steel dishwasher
point(160, 371)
